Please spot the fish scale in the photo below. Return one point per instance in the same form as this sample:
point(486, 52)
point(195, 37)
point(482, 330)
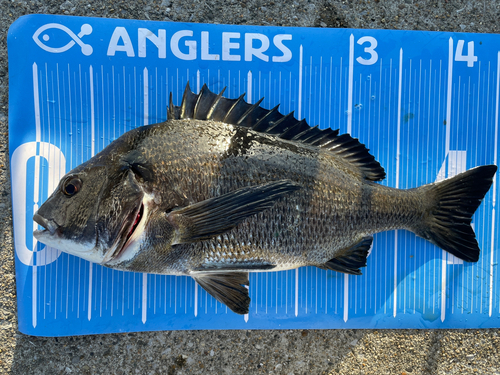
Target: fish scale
point(224, 187)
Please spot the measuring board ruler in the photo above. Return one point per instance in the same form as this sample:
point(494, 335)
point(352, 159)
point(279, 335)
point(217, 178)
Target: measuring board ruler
point(425, 103)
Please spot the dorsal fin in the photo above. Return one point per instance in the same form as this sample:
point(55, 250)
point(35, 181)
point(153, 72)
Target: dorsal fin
point(210, 106)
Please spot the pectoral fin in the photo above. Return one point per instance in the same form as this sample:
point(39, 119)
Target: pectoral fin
point(211, 217)
point(227, 288)
point(352, 259)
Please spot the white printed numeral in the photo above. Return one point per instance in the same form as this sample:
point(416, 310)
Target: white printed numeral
point(370, 49)
point(469, 58)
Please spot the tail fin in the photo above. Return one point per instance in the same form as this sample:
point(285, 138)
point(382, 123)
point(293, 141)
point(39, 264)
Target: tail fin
point(456, 199)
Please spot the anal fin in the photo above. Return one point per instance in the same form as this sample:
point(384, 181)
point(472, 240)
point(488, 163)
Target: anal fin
point(352, 259)
point(227, 288)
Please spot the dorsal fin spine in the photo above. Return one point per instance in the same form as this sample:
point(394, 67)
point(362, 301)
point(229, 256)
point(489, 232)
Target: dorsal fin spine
point(301, 134)
point(184, 102)
point(171, 109)
point(324, 142)
point(213, 107)
point(281, 120)
point(264, 118)
point(233, 106)
point(249, 111)
point(198, 100)
point(323, 137)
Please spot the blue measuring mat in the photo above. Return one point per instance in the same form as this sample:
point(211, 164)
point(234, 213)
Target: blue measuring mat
point(425, 103)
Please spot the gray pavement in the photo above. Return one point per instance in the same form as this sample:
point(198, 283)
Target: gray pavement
point(242, 352)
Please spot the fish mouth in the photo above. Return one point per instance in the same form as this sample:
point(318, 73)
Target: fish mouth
point(135, 218)
point(49, 226)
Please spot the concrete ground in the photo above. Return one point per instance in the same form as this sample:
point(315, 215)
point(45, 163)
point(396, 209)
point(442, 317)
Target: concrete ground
point(248, 352)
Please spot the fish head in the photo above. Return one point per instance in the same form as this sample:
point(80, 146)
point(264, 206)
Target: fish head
point(93, 211)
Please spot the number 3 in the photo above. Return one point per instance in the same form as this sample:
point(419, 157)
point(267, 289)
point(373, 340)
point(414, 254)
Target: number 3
point(370, 49)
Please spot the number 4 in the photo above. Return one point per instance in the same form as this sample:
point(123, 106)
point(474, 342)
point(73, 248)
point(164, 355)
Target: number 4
point(470, 58)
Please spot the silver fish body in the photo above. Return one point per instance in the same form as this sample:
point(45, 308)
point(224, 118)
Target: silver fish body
point(224, 188)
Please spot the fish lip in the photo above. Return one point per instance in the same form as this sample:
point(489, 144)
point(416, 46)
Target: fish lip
point(49, 225)
point(126, 232)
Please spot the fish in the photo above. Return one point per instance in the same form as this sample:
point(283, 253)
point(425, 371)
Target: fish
point(224, 187)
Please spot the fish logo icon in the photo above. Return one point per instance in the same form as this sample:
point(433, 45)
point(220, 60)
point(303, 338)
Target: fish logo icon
point(86, 29)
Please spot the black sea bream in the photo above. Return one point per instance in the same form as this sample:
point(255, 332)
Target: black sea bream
point(223, 188)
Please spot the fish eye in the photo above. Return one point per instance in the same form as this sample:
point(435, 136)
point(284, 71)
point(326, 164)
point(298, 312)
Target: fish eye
point(71, 186)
